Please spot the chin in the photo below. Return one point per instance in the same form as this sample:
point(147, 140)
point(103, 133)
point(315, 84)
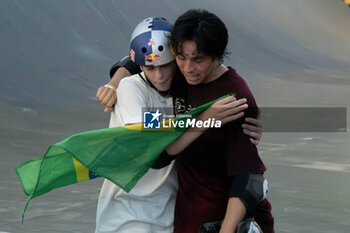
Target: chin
point(192, 82)
point(163, 88)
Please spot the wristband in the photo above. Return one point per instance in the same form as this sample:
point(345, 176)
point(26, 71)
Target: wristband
point(110, 86)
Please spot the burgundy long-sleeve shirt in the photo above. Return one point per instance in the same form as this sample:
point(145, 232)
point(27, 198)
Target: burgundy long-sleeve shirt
point(206, 167)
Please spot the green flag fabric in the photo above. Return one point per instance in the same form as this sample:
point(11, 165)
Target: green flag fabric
point(121, 154)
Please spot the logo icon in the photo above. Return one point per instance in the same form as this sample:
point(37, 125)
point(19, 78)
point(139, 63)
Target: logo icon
point(132, 55)
point(151, 120)
point(153, 59)
point(151, 42)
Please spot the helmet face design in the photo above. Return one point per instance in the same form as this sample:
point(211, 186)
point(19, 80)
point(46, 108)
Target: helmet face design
point(149, 45)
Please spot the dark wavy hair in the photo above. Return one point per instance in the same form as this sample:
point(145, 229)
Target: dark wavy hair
point(204, 28)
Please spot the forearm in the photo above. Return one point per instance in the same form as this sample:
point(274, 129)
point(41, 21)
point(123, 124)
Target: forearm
point(225, 110)
point(118, 76)
point(235, 213)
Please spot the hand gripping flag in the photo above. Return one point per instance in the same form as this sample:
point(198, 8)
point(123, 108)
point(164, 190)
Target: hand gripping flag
point(121, 154)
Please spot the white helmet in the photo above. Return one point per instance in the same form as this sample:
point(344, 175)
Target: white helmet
point(150, 44)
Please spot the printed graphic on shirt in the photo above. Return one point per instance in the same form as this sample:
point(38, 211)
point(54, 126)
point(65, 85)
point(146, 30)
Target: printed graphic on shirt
point(180, 106)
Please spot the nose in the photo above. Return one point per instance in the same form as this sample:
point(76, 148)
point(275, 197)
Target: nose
point(188, 66)
point(158, 74)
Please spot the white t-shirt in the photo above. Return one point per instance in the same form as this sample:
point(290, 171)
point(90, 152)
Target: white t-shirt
point(149, 206)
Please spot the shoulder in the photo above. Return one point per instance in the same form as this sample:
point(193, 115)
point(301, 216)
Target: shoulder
point(241, 90)
point(132, 96)
point(133, 80)
point(132, 84)
point(237, 83)
point(235, 78)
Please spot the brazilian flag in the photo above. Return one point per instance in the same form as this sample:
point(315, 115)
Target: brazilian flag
point(121, 154)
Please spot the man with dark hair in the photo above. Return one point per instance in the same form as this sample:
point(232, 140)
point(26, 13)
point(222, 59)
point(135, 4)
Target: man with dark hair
point(206, 29)
point(220, 174)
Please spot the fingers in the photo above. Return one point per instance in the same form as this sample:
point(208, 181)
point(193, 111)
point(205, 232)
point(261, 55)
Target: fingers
point(106, 96)
point(255, 142)
point(252, 128)
point(101, 94)
point(99, 91)
point(229, 110)
point(252, 131)
point(232, 117)
point(234, 108)
point(108, 110)
point(111, 100)
point(226, 110)
point(255, 135)
point(259, 113)
point(231, 105)
point(255, 122)
point(229, 101)
point(226, 100)
point(235, 103)
point(240, 101)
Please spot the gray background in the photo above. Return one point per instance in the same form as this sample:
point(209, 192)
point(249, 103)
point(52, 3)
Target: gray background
point(54, 55)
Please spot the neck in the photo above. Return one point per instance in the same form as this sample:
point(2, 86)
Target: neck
point(165, 94)
point(219, 70)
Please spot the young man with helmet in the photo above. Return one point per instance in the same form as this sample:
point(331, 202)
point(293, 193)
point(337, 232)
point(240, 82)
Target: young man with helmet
point(149, 206)
point(118, 211)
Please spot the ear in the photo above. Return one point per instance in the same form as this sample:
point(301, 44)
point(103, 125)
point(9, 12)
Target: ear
point(141, 67)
